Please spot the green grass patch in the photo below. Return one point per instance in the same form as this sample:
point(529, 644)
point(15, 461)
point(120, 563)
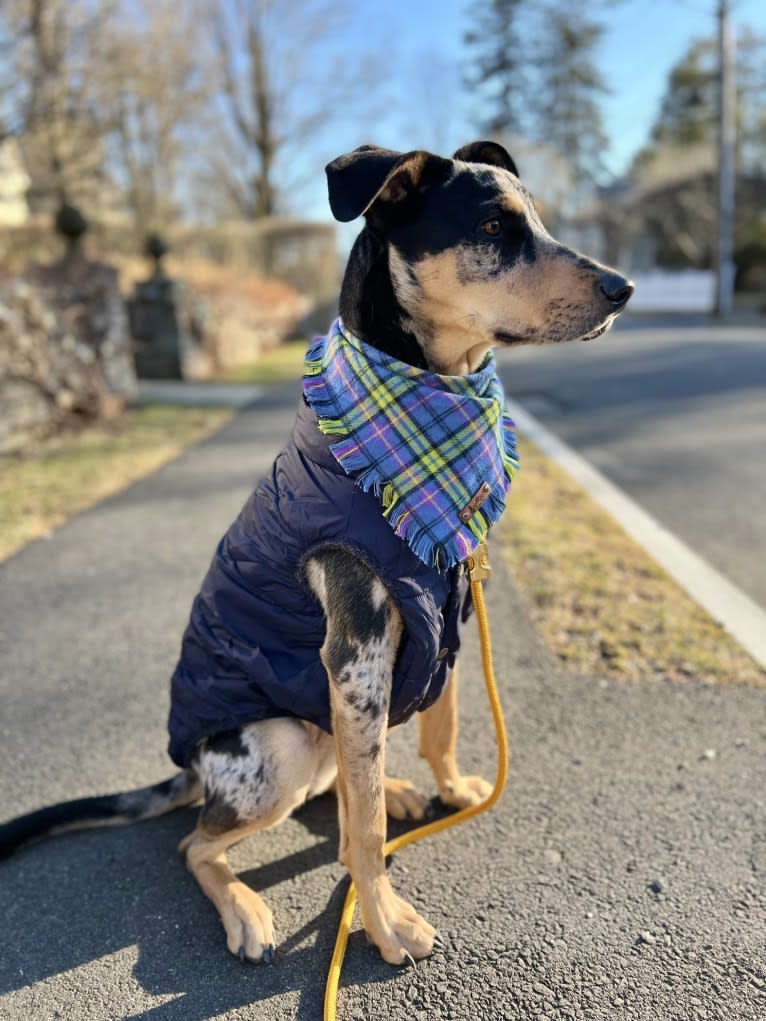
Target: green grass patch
point(279, 365)
point(598, 599)
point(47, 483)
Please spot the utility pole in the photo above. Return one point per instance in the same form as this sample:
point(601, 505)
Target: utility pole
point(725, 268)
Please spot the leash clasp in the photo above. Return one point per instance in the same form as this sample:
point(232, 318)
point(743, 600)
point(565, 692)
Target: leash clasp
point(477, 563)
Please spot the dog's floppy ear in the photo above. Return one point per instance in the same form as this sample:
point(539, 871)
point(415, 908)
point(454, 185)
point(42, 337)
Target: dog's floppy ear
point(371, 176)
point(486, 152)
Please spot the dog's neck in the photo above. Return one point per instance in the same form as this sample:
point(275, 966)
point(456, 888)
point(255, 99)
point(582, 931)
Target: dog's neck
point(369, 306)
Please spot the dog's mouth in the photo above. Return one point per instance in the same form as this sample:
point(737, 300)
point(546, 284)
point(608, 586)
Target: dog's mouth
point(515, 339)
point(509, 338)
point(599, 330)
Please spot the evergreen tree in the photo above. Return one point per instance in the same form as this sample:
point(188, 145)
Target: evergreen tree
point(675, 173)
point(751, 102)
point(533, 72)
point(567, 91)
point(497, 65)
point(688, 112)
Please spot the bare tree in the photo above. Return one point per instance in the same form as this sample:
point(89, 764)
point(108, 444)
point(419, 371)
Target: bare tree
point(282, 79)
point(12, 104)
point(152, 93)
point(57, 45)
point(104, 100)
point(131, 104)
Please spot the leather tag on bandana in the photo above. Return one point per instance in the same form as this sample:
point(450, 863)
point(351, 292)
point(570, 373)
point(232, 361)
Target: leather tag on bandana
point(479, 498)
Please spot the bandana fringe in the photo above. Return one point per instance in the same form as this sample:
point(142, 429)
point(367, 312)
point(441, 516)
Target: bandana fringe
point(353, 456)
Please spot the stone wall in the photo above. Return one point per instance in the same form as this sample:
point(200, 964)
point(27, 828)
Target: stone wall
point(85, 296)
point(47, 376)
point(245, 315)
point(300, 254)
point(65, 348)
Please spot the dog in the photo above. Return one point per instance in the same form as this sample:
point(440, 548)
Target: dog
point(452, 261)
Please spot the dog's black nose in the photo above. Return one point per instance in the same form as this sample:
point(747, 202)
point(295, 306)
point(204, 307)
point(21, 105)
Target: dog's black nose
point(616, 289)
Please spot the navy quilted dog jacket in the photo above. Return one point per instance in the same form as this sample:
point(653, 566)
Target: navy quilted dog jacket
point(251, 649)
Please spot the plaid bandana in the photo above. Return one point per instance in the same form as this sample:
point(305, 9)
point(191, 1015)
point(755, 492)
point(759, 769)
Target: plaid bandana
point(439, 451)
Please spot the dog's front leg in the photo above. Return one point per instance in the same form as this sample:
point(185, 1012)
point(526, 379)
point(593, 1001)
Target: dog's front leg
point(438, 744)
point(363, 633)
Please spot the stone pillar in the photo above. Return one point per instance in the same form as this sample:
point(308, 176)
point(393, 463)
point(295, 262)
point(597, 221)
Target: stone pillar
point(166, 322)
point(86, 296)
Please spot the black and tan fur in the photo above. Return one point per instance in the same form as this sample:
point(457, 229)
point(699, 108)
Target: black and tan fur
point(453, 261)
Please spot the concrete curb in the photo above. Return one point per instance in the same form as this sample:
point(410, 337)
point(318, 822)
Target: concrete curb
point(736, 612)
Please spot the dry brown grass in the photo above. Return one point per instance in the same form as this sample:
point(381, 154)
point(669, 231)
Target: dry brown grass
point(279, 365)
point(602, 604)
point(48, 483)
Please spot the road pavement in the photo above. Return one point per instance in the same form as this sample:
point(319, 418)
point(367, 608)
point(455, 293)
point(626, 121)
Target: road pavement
point(674, 415)
point(621, 876)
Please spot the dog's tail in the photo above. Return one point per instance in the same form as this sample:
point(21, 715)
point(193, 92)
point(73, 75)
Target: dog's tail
point(109, 810)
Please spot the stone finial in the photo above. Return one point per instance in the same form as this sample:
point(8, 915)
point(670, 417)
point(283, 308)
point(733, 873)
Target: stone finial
point(70, 224)
point(156, 248)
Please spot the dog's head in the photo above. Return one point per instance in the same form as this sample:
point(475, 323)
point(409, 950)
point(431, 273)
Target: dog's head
point(471, 264)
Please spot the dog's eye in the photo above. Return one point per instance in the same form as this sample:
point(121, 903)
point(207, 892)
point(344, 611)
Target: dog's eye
point(493, 227)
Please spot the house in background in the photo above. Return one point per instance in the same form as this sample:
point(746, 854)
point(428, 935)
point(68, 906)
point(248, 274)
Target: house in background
point(14, 185)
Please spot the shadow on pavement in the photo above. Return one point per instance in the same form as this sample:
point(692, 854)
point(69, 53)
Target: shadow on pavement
point(92, 894)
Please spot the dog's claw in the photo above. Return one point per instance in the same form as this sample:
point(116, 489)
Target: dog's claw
point(410, 958)
point(439, 942)
point(266, 958)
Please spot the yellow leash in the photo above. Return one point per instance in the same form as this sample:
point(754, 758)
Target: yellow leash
point(478, 570)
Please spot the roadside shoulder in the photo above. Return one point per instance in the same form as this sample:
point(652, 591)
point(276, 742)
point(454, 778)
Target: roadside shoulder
point(578, 546)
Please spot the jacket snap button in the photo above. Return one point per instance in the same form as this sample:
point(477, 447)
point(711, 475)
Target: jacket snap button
point(443, 653)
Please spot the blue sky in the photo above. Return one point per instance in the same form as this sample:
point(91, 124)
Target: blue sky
point(420, 49)
point(643, 39)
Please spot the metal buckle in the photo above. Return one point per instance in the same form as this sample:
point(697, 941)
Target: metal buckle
point(477, 563)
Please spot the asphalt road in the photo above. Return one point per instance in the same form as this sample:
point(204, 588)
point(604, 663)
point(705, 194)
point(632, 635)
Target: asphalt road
point(676, 416)
point(621, 876)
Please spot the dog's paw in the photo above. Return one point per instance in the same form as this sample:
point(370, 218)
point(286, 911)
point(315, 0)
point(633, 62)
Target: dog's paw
point(466, 791)
point(403, 800)
point(248, 924)
point(394, 926)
